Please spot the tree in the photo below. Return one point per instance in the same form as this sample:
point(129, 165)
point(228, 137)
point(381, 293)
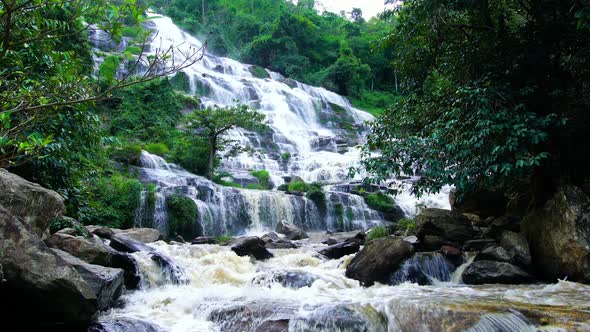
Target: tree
point(213, 123)
point(46, 66)
point(357, 15)
point(495, 96)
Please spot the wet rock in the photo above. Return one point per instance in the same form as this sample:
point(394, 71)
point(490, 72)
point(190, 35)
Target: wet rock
point(204, 240)
point(251, 246)
point(251, 316)
point(29, 202)
point(107, 283)
point(475, 219)
point(424, 268)
point(345, 318)
point(143, 235)
point(290, 231)
point(126, 244)
point(277, 325)
point(281, 244)
point(478, 244)
point(501, 224)
point(179, 239)
point(378, 259)
point(559, 235)
point(291, 279)
point(172, 272)
point(518, 248)
point(449, 225)
point(101, 231)
point(484, 203)
point(432, 243)
point(452, 254)
point(413, 239)
point(132, 272)
point(341, 249)
point(330, 241)
point(490, 272)
point(39, 283)
point(270, 237)
point(91, 250)
point(494, 253)
point(124, 325)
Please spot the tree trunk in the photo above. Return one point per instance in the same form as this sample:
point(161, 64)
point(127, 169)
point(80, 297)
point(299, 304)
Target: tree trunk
point(203, 21)
point(212, 152)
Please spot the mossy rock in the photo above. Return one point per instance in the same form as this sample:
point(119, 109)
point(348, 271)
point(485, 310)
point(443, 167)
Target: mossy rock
point(258, 72)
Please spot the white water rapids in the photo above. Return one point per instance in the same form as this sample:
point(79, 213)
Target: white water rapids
point(231, 293)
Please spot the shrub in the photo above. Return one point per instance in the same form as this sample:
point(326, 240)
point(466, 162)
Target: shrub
point(283, 187)
point(60, 223)
point(407, 224)
point(182, 216)
point(285, 156)
point(380, 202)
point(377, 232)
point(135, 50)
point(255, 186)
point(159, 149)
point(263, 178)
point(316, 194)
point(112, 202)
point(128, 154)
point(298, 186)
point(223, 239)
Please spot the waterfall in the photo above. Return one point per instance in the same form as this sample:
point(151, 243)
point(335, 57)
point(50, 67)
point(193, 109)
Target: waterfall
point(457, 276)
point(424, 269)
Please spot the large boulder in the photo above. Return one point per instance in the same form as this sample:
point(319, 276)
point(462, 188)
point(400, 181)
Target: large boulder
point(559, 235)
point(378, 260)
point(341, 249)
point(252, 316)
point(204, 240)
point(39, 283)
point(483, 203)
point(127, 263)
point(491, 272)
point(125, 244)
point(124, 325)
point(518, 248)
point(339, 317)
point(291, 279)
point(101, 231)
point(29, 202)
point(251, 246)
point(290, 231)
point(90, 250)
point(143, 235)
point(451, 226)
point(281, 244)
point(107, 283)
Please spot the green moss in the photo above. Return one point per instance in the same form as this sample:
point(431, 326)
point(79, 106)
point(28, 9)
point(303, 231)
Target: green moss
point(380, 202)
point(263, 177)
point(377, 232)
point(316, 194)
point(128, 154)
point(180, 82)
point(182, 216)
point(259, 72)
point(223, 239)
point(298, 186)
point(255, 186)
point(407, 224)
point(283, 187)
point(285, 156)
point(339, 213)
point(159, 149)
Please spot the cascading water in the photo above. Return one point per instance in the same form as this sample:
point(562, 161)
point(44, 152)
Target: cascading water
point(299, 290)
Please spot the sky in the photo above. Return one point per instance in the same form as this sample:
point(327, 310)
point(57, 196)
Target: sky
point(370, 8)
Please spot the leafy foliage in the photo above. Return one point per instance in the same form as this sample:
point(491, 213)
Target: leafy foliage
point(377, 232)
point(212, 123)
point(263, 177)
point(380, 202)
point(490, 90)
point(182, 214)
